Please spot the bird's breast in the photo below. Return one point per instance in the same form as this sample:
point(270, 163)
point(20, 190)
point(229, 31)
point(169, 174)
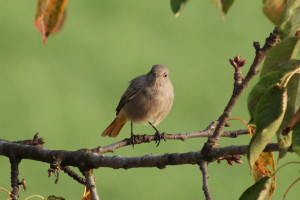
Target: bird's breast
point(150, 104)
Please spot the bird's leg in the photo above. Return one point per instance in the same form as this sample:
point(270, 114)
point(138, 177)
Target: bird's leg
point(132, 138)
point(158, 135)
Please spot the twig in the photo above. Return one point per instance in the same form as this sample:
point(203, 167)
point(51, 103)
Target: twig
point(14, 163)
point(139, 139)
point(91, 185)
point(203, 168)
point(240, 86)
point(73, 175)
point(288, 189)
point(38, 196)
point(5, 190)
point(35, 141)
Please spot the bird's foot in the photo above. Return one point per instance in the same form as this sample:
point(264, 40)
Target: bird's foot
point(158, 137)
point(133, 139)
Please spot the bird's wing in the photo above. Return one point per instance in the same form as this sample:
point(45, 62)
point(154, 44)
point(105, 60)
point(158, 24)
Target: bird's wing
point(133, 89)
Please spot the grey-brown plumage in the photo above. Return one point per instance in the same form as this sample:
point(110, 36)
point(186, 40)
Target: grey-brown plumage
point(148, 99)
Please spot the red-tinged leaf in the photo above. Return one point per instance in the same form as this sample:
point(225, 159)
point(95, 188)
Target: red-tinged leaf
point(290, 20)
point(50, 15)
point(264, 166)
point(273, 9)
point(60, 23)
point(86, 195)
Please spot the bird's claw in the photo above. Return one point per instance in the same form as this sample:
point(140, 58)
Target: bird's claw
point(158, 137)
point(132, 140)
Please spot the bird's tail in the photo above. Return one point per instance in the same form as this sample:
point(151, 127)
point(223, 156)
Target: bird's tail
point(115, 127)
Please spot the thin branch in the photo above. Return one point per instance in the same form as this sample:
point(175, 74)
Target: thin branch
point(271, 41)
point(288, 189)
point(73, 175)
point(139, 139)
point(85, 158)
point(91, 185)
point(203, 168)
point(14, 163)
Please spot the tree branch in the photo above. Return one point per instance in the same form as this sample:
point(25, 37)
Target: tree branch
point(72, 174)
point(241, 85)
point(91, 185)
point(203, 168)
point(139, 139)
point(85, 158)
point(14, 163)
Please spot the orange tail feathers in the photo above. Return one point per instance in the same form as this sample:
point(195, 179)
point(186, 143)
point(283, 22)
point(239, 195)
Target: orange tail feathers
point(115, 127)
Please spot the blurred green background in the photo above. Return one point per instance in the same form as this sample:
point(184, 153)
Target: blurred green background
point(68, 90)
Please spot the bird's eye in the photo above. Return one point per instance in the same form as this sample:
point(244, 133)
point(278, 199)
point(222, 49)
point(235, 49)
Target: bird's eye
point(165, 75)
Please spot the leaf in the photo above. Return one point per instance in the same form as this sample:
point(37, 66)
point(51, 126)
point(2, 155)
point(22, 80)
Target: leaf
point(87, 194)
point(52, 197)
point(291, 138)
point(284, 144)
point(292, 80)
point(223, 6)
point(278, 56)
point(177, 6)
point(50, 15)
point(258, 191)
point(273, 9)
point(296, 138)
point(268, 116)
point(282, 58)
point(264, 166)
point(293, 121)
point(260, 89)
point(290, 20)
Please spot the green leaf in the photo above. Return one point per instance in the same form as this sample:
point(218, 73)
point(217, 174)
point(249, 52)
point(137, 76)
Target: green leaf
point(177, 6)
point(260, 89)
point(268, 116)
point(296, 138)
point(290, 20)
point(274, 9)
point(52, 197)
point(280, 54)
point(284, 144)
point(223, 6)
point(258, 191)
point(292, 81)
point(282, 58)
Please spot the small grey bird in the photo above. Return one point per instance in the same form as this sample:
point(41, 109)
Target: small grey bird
point(148, 99)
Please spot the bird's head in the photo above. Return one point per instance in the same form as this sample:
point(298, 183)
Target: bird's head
point(158, 74)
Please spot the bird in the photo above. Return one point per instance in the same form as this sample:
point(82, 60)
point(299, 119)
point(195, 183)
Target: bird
point(148, 99)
